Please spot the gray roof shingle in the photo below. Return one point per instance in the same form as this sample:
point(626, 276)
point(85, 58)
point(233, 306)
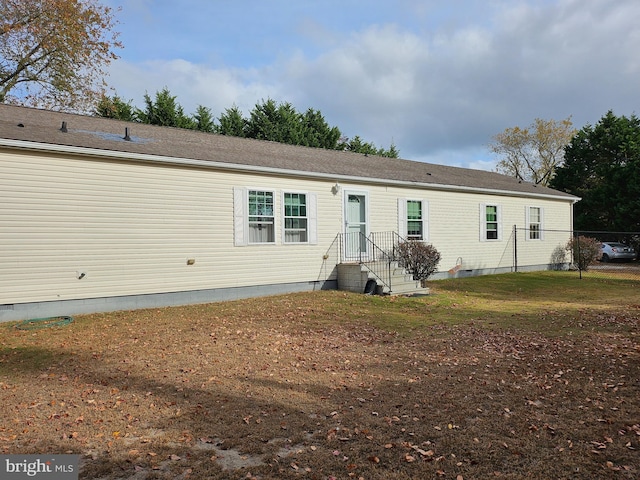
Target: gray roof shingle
point(44, 127)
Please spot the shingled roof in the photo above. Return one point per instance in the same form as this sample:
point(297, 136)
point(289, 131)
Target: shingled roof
point(22, 127)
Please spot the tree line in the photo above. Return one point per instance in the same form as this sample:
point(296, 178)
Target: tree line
point(269, 120)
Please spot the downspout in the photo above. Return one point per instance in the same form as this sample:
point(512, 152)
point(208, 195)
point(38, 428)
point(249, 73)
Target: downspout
point(515, 248)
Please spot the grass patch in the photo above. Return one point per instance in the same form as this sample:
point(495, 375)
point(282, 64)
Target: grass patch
point(509, 376)
point(19, 359)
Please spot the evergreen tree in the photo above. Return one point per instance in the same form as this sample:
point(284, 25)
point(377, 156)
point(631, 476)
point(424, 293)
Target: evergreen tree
point(277, 123)
point(164, 111)
point(268, 121)
point(356, 145)
point(115, 107)
point(203, 120)
point(317, 132)
point(232, 123)
point(602, 166)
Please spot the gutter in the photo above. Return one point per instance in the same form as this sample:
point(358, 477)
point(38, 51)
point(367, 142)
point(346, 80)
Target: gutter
point(214, 165)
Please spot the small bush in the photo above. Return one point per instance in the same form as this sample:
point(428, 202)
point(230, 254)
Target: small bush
point(420, 259)
point(584, 250)
point(558, 258)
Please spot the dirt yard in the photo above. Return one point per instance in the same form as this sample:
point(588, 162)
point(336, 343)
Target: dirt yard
point(329, 385)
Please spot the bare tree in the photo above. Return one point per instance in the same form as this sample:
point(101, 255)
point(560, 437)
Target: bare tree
point(533, 153)
point(54, 53)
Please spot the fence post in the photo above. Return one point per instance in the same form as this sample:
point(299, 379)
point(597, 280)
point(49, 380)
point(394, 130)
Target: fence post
point(577, 234)
point(515, 248)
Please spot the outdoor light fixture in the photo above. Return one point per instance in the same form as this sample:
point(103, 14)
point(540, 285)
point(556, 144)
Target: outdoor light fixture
point(336, 188)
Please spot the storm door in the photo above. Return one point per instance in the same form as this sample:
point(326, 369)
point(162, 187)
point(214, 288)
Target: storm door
point(356, 228)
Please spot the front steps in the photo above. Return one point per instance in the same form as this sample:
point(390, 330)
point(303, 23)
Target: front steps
point(354, 277)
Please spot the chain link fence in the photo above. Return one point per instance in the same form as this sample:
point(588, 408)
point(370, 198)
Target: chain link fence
point(535, 249)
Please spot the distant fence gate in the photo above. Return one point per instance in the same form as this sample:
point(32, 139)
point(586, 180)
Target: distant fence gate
point(536, 249)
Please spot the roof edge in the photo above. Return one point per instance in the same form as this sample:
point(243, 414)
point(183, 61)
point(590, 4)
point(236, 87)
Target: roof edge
point(144, 157)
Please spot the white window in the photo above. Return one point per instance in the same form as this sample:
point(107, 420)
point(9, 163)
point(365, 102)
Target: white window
point(296, 221)
point(534, 223)
point(413, 218)
point(261, 218)
point(255, 219)
point(490, 222)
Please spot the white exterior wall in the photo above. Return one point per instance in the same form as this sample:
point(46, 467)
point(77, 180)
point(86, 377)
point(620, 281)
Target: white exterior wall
point(132, 227)
point(454, 225)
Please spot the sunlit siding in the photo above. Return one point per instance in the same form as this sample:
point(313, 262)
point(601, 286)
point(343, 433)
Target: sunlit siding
point(132, 227)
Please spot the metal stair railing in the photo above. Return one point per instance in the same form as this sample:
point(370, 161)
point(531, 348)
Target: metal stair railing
point(375, 252)
point(388, 242)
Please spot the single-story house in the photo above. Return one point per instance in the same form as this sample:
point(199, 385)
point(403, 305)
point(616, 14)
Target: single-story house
point(99, 215)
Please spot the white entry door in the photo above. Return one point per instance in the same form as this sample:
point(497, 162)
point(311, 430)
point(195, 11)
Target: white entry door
point(356, 228)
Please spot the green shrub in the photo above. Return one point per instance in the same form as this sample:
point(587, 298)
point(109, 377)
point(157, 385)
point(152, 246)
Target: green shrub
point(420, 259)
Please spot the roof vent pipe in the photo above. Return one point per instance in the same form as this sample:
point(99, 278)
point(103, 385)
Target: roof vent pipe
point(63, 128)
point(126, 134)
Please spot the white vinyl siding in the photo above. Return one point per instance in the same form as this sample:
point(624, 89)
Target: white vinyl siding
point(132, 227)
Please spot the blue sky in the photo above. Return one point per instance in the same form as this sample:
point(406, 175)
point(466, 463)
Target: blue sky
point(437, 78)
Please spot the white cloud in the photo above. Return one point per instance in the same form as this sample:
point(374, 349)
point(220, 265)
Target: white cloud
point(192, 84)
point(438, 91)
